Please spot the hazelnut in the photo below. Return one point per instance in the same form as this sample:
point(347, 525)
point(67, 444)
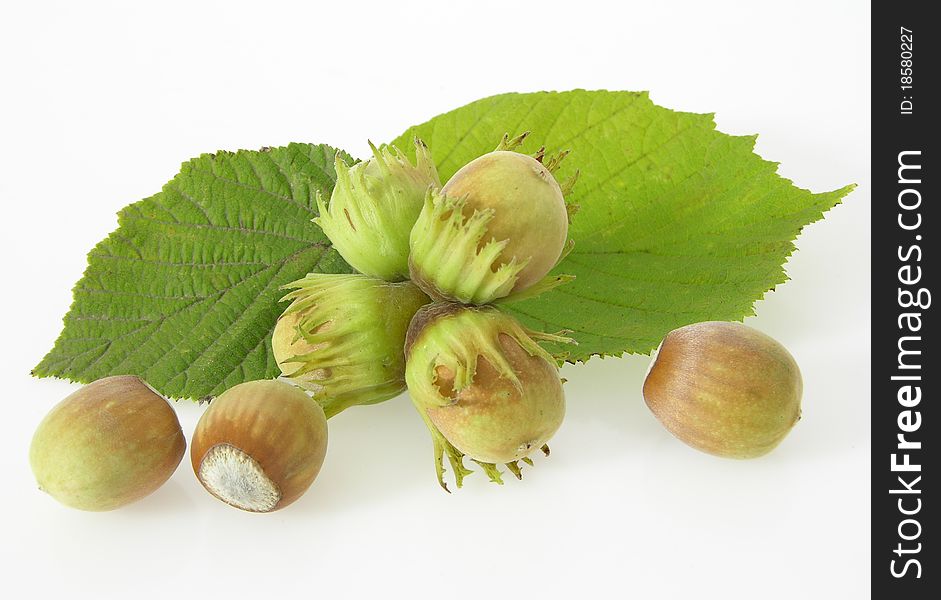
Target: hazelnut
point(483, 386)
point(108, 444)
point(373, 207)
point(496, 227)
point(260, 445)
point(341, 338)
point(724, 388)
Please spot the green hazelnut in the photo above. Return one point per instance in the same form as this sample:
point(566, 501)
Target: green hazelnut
point(483, 386)
point(724, 388)
point(108, 444)
point(497, 227)
point(373, 207)
point(342, 337)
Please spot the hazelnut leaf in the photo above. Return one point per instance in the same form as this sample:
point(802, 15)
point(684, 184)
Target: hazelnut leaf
point(677, 222)
point(185, 292)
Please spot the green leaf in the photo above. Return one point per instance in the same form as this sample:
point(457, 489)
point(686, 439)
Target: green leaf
point(185, 292)
point(677, 222)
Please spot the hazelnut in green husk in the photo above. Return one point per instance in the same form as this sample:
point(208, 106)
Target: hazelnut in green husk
point(483, 386)
point(497, 227)
point(108, 444)
point(373, 207)
point(342, 337)
point(724, 388)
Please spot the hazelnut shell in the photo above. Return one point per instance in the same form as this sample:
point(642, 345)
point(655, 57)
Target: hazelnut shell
point(260, 445)
point(108, 444)
point(528, 201)
point(494, 420)
point(724, 388)
point(496, 227)
point(484, 384)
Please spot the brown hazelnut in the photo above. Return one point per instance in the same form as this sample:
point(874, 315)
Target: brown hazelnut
point(724, 388)
point(260, 445)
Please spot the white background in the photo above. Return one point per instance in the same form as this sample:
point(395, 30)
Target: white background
point(101, 102)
